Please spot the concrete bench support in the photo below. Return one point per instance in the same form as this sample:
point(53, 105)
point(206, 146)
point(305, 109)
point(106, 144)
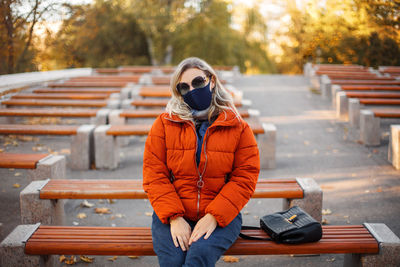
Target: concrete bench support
point(311, 201)
point(334, 89)
point(389, 249)
point(50, 167)
point(394, 146)
point(146, 79)
point(325, 85)
point(34, 209)
point(126, 91)
point(115, 119)
point(267, 146)
point(106, 149)
point(342, 106)
point(101, 117)
point(354, 113)
point(12, 249)
point(369, 128)
point(82, 148)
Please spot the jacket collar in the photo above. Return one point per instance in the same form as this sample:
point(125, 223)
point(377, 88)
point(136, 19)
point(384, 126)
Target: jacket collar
point(225, 118)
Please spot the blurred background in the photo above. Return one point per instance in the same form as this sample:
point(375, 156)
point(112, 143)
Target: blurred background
point(275, 36)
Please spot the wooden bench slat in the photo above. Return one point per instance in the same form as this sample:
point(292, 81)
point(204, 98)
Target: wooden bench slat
point(60, 96)
point(373, 94)
point(386, 113)
point(20, 161)
point(53, 112)
point(107, 91)
point(377, 81)
point(88, 84)
point(45, 102)
point(358, 77)
point(133, 189)
point(152, 113)
point(137, 241)
point(38, 129)
point(379, 101)
point(160, 102)
point(370, 87)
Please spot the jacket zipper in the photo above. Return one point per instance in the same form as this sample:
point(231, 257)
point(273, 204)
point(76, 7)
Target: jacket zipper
point(200, 182)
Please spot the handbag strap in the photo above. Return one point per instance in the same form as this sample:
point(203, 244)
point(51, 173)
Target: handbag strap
point(253, 237)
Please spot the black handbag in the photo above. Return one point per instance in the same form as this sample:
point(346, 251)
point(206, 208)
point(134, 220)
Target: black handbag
point(292, 226)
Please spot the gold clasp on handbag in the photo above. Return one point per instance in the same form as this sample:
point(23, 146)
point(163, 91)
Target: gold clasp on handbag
point(292, 219)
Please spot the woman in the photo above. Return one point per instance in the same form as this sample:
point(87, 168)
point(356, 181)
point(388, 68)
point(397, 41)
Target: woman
point(200, 168)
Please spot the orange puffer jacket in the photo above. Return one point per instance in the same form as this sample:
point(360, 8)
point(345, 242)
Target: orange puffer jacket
point(223, 182)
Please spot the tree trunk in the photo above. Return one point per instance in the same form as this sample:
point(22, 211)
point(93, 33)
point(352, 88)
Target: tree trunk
point(8, 23)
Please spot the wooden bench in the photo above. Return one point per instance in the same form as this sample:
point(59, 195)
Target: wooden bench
point(40, 166)
point(64, 96)
point(365, 98)
point(370, 244)
point(107, 91)
point(110, 103)
point(370, 133)
point(97, 116)
point(151, 103)
point(88, 84)
point(107, 142)
point(39, 201)
point(120, 117)
point(107, 78)
point(82, 137)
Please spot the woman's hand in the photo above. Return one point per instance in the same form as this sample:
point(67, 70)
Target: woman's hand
point(205, 225)
point(180, 232)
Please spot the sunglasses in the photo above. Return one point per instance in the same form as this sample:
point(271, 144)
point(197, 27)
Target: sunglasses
point(197, 82)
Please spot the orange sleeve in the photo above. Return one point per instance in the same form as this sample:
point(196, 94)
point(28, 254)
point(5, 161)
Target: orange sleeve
point(156, 183)
point(237, 192)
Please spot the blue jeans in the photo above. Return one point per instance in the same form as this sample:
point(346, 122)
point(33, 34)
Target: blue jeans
point(203, 252)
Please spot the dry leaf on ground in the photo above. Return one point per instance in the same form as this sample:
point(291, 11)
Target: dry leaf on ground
point(86, 259)
point(102, 210)
point(111, 201)
point(17, 174)
point(81, 215)
point(326, 212)
point(133, 257)
point(230, 259)
point(86, 204)
point(61, 258)
point(65, 151)
point(113, 258)
point(324, 221)
point(68, 261)
point(16, 185)
point(1, 150)
point(306, 143)
point(148, 213)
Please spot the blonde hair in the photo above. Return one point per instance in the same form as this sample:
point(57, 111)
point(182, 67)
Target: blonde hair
point(221, 98)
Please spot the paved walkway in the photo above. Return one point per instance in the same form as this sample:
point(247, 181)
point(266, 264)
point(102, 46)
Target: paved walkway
point(359, 184)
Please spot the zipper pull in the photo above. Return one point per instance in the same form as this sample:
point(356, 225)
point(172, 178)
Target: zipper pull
point(200, 184)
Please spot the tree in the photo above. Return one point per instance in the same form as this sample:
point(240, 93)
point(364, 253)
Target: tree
point(18, 19)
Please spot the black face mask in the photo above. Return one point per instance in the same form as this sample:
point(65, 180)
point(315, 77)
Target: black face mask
point(199, 98)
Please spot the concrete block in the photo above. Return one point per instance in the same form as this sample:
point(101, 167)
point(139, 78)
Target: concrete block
point(325, 86)
point(236, 72)
point(101, 117)
point(254, 113)
point(389, 249)
point(146, 79)
point(50, 167)
point(369, 128)
point(12, 249)
point(315, 81)
point(307, 69)
point(82, 149)
point(394, 146)
point(113, 103)
point(334, 89)
point(267, 146)
point(115, 119)
point(135, 91)
point(115, 96)
point(342, 106)
point(311, 201)
point(236, 94)
point(354, 112)
point(127, 104)
point(34, 209)
point(106, 149)
point(246, 103)
point(126, 91)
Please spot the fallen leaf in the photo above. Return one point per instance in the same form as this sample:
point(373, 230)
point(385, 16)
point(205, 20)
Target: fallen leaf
point(246, 212)
point(61, 258)
point(16, 185)
point(11, 169)
point(133, 257)
point(119, 215)
point(86, 204)
point(86, 259)
point(102, 210)
point(379, 189)
point(65, 151)
point(335, 151)
point(369, 155)
point(353, 175)
point(111, 201)
point(70, 261)
point(17, 174)
point(75, 223)
point(148, 213)
point(1, 150)
point(326, 212)
point(324, 221)
point(306, 143)
point(113, 258)
point(230, 259)
point(81, 215)
point(315, 152)
point(330, 260)
point(375, 151)
point(25, 138)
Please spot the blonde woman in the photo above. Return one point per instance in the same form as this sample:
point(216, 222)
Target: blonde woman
point(200, 168)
